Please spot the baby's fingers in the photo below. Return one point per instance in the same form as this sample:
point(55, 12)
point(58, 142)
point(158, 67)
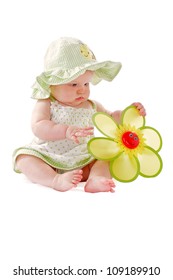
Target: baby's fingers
point(75, 139)
point(84, 132)
point(89, 128)
point(140, 108)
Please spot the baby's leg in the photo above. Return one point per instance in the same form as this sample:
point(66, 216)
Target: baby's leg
point(99, 179)
point(37, 171)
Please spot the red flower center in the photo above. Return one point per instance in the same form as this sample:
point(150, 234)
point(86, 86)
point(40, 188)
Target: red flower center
point(130, 139)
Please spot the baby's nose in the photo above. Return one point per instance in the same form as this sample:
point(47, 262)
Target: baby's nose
point(81, 89)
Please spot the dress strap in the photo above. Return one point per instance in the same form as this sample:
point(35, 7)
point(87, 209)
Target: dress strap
point(92, 103)
point(52, 99)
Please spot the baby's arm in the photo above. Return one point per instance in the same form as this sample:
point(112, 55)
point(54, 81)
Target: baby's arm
point(117, 114)
point(44, 128)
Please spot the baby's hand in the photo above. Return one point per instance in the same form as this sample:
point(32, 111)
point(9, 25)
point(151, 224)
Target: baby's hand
point(74, 132)
point(140, 108)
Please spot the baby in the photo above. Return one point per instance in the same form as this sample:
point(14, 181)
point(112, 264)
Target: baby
point(62, 120)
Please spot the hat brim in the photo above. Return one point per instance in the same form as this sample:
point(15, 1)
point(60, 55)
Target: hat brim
point(106, 70)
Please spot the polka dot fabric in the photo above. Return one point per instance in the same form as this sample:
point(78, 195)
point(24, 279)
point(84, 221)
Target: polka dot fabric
point(63, 154)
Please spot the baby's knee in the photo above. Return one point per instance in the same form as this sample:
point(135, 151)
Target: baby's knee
point(22, 161)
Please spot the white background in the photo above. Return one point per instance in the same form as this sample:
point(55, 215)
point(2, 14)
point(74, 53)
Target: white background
point(133, 226)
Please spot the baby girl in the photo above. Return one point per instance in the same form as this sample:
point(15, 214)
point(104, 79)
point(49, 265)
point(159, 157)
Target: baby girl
point(62, 120)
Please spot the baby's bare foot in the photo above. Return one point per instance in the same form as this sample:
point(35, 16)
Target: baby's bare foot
point(66, 181)
point(99, 184)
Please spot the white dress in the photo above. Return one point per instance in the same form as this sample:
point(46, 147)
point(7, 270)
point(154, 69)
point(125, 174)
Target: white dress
point(63, 154)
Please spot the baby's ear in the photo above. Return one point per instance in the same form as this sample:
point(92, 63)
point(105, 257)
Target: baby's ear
point(51, 88)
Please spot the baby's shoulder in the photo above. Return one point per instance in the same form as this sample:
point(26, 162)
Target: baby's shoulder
point(42, 104)
point(91, 104)
point(100, 108)
point(44, 101)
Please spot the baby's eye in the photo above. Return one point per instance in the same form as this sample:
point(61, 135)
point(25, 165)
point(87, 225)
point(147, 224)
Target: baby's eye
point(87, 84)
point(74, 85)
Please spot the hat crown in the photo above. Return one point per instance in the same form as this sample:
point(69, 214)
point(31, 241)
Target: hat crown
point(67, 53)
point(65, 60)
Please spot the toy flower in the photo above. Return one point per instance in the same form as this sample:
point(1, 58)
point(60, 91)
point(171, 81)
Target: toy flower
point(130, 147)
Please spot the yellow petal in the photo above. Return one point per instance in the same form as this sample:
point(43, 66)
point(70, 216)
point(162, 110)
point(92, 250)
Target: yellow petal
point(131, 116)
point(150, 163)
point(124, 168)
point(103, 148)
point(153, 137)
point(105, 124)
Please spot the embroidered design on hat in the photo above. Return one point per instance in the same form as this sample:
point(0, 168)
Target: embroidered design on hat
point(86, 52)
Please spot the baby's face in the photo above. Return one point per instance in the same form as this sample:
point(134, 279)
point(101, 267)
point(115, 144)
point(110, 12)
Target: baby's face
point(75, 92)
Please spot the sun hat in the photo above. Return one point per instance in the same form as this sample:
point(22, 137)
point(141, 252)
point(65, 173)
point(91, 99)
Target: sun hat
point(65, 60)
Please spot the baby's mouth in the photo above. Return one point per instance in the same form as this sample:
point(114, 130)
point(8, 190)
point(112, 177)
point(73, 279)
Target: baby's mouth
point(80, 98)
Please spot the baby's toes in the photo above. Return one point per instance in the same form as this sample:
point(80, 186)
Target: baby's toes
point(109, 183)
point(77, 178)
point(112, 184)
point(77, 172)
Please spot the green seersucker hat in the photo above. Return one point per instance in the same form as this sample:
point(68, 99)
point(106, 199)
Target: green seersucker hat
point(65, 60)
